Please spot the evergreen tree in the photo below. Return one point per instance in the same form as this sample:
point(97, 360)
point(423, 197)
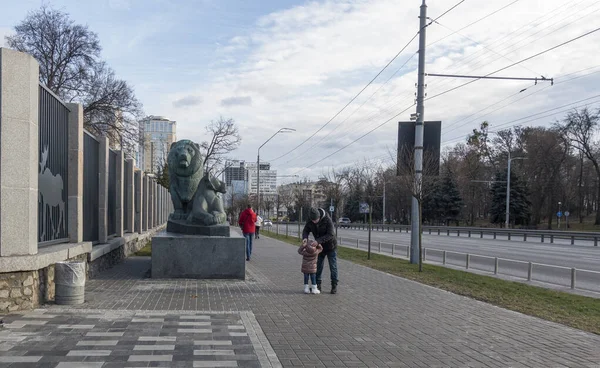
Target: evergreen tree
point(520, 205)
point(443, 202)
point(450, 199)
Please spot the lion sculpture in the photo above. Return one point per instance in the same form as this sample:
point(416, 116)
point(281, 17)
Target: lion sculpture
point(195, 195)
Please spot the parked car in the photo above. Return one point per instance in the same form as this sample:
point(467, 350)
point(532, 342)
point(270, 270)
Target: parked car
point(267, 223)
point(344, 221)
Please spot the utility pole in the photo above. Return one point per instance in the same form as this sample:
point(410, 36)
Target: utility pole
point(416, 215)
point(507, 221)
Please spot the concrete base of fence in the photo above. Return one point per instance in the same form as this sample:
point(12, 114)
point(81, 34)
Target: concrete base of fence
point(190, 229)
point(28, 281)
point(198, 257)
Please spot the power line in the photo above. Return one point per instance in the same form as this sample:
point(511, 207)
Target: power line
point(520, 99)
point(449, 10)
point(354, 141)
point(515, 63)
point(352, 100)
point(508, 37)
point(540, 113)
point(358, 108)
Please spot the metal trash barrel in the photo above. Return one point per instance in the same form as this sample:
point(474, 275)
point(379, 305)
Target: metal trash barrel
point(69, 279)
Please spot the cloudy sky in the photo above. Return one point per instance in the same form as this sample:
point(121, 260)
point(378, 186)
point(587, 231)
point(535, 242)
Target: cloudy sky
point(289, 63)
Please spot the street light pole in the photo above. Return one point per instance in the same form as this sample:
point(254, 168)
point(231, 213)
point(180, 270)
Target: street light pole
point(282, 130)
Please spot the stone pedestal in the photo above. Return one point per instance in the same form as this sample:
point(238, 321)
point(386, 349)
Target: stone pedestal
point(198, 257)
point(192, 229)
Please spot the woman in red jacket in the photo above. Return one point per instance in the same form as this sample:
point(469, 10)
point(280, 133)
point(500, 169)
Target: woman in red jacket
point(246, 222)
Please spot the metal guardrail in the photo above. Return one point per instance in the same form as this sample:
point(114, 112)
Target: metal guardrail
point(521, 234)
point(405, 254)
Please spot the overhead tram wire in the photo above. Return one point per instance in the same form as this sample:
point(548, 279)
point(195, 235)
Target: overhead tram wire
point(552, 112)
point(358, 108)
point(352, 100)
point(384, 68)
point(475, 56)
point(356, 140)
point(440, 16)
point(468, 119)
point(515, 63)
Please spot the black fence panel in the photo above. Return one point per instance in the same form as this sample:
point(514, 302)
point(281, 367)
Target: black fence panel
point(91, 173)
point(126, 184)
point(53, 170)
point(112, 193)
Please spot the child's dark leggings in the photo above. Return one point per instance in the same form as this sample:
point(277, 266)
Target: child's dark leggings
point(313, 278)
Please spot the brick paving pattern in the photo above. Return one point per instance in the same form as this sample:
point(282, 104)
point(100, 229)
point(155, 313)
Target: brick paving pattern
point(376, 319)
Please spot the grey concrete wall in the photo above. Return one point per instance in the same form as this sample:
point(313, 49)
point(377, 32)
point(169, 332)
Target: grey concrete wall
point(19, 150)
point(75, 178)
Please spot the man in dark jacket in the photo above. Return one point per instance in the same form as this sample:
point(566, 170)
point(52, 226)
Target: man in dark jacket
point(321, 227)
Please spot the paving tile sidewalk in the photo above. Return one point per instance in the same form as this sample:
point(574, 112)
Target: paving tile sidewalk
point(376, 319)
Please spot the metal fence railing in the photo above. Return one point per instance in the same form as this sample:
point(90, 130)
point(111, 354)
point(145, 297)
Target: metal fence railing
point(127, 183)
point(111, 213)
point(53, 169)
point(91, 151)
point(573, 278)
point(550, 236)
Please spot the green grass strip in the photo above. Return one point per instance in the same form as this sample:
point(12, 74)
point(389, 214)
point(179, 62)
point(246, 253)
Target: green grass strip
point(568, 309)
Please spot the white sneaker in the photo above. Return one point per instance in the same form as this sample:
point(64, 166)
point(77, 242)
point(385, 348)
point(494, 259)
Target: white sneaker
point(306, 289)
point(315, 290)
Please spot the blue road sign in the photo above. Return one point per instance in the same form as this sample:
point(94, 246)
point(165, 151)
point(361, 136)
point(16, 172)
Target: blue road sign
point(559, 214)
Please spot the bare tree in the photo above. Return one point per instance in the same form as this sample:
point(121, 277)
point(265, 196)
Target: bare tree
point(111, 108)
point(417, 185)
point(225, 138)
point(65, 51)
point(70, 66)
point(581, 128)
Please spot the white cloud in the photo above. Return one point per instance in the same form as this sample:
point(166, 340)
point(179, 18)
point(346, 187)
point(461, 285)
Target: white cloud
point(301, 65)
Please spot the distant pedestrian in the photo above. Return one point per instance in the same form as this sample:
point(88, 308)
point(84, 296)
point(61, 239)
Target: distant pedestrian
point(258, 224)
point(246, 222)
point(310, 252)
point(320, 225)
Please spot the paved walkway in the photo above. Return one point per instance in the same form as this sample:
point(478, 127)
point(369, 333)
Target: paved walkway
point(376, 320)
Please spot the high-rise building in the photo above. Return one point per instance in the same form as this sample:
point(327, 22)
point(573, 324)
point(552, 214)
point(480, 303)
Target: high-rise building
point(268, 178)
point(159, 134)
point(235, 170)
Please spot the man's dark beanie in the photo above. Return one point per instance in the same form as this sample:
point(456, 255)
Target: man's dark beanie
point(314, 214)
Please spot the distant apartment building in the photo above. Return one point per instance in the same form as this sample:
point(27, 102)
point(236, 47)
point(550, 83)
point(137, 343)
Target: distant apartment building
point(311, 192)
point(268, 179)
point(159, 134)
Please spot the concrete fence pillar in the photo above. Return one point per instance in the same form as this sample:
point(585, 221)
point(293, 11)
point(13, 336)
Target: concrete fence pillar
point(139, 202)
point(145, 204)
point(150, 203)
point(103, 162)
point(19, 153)
point(128, 222)
point(119, 209)
point(75, 179)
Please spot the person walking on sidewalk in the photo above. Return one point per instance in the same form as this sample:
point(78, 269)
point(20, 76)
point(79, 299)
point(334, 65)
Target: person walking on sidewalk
point(246, 222)
point(320, 225)
point(257, 225)
point(309, 253)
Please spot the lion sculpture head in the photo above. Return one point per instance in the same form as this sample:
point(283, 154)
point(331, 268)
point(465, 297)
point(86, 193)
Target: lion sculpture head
point(185, 159)
point(186, 168)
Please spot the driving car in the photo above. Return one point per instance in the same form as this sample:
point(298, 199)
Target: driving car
point(344, 221)
point(267, 223)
